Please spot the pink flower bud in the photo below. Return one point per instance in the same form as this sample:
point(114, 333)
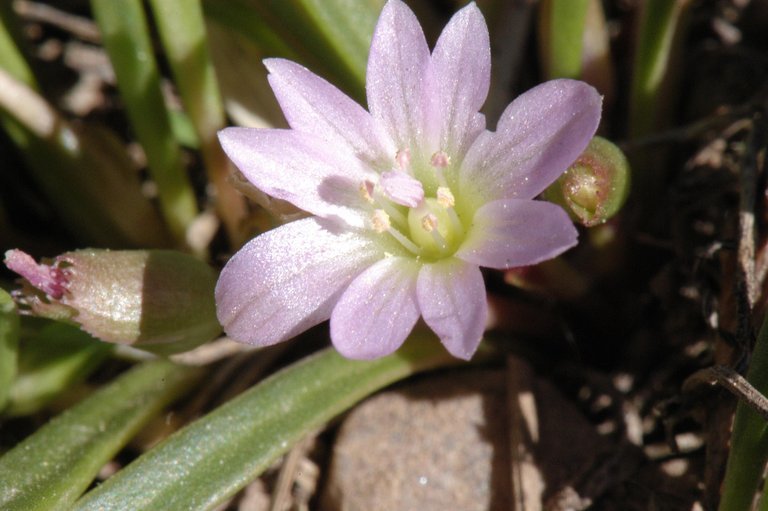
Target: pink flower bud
point(158, 300)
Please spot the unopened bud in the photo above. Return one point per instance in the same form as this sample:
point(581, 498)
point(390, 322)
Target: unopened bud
point(159, 300)
point(595, 186)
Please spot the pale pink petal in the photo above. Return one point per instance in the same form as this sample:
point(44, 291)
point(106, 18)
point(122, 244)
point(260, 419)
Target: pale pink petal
point(461, 74)
point(515, 232)
point(398, 66)
point(377, 311)
point(300, 168)
point(313, 105)
point(539, 135)
point(451, 295)
point(288, 279)
point(402, 188)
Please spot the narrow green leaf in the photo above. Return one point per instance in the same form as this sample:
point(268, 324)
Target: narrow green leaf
point(183, 130)
point(59, 356)
point(9, 343)
point(11, 58)
point(347, 27)
point(126, 38)
point(247, 19)
point(654, 73)
point(51, 468)
point(330, 37)
point(749, 440)
point(182, 31)
point(653, 94)
point(248, 99)
point(561, 37)
point(210, 460)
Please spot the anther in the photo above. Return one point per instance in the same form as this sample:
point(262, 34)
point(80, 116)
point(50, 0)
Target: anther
point(380, 221)
point(403, 159)
point(445, 197)
point(366, 191)
point(440, 160)
point(381, 224)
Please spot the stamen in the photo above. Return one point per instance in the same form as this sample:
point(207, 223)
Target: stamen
point(403, 159)
point(408, 244)
point(429, 224)
point(392, 211)
point(366, 190)
point(380, 221)
point(445, 197)
point(440, 159)
point(439, 240)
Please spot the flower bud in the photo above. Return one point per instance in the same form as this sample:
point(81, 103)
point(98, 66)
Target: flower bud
point(595, 186)
point(158, 300)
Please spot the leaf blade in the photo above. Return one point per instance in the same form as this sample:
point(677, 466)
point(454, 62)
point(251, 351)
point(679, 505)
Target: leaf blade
point(210, 460)
point(51, 468)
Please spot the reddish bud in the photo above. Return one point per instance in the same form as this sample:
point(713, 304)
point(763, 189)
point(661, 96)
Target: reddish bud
point(158, 300)
point(595, 186)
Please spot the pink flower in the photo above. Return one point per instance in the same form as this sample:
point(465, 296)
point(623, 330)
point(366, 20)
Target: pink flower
point(410, 198)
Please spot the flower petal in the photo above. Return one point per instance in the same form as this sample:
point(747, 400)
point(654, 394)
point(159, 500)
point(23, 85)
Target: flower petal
point(300, 168)
point(514, 232)
point(539, 135)
point(402, 188)
point(451, 295)
point(288, 279)
point(461, 74)
point(313, 105)
point(398, 65)
point(377, 311)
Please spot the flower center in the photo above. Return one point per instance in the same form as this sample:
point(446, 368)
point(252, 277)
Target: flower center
point(427, 227)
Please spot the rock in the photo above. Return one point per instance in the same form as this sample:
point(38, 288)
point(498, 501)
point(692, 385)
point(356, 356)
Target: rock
point(438, 444)
point(473, 440)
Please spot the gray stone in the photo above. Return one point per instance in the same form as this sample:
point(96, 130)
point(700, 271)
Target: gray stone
point(438, 444)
